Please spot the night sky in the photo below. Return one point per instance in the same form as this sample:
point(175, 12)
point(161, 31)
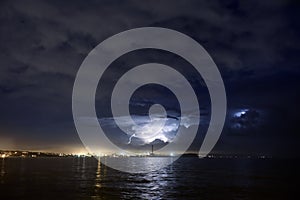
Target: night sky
point(255, 45)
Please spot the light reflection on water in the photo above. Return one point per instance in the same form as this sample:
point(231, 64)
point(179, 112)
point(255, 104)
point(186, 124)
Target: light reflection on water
point(98, 175)
point(2, 171)
point(187, 178)
point(138, 164)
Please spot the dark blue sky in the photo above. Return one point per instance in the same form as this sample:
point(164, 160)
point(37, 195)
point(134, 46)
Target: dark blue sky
point(255, 44)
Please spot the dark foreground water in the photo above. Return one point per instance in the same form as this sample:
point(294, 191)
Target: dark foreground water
point(187, 178)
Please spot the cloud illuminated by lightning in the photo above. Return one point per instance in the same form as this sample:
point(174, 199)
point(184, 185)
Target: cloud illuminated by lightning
point(143, 129)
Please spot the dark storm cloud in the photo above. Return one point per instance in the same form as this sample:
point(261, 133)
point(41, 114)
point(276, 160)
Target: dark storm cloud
point(38, 31)
point(254, 43)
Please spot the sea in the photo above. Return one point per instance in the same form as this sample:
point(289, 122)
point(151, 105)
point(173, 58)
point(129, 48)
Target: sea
point(187, 178)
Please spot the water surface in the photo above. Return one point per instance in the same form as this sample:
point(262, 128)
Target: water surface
point(187, 178)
